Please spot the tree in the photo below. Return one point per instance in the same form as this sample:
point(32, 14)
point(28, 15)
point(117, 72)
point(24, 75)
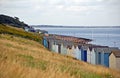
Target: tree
point(16, 18)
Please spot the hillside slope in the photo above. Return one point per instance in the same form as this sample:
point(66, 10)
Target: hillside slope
point(24, 58)
point(7, 29)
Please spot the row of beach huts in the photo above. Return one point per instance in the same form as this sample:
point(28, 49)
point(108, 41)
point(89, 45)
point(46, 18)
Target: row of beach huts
point(81, 49)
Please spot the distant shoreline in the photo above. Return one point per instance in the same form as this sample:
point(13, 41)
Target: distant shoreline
point(53, 26)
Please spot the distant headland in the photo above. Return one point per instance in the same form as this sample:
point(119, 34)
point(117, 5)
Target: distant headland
point(58, 26)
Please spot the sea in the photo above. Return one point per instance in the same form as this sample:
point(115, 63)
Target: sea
point(101, 36)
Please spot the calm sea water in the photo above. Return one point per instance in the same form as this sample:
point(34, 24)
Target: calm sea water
point(100, 36)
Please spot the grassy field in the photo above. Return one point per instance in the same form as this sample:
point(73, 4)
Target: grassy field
point(25, 58)
point(5, 29)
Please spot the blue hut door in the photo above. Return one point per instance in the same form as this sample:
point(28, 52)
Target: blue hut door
point(85, 56)
point(45, 43)
point(106, 59)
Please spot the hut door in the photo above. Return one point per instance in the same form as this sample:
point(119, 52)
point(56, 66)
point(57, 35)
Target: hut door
point(99, 58)
point(48, 46)
point(85, 56)
point(59, 48)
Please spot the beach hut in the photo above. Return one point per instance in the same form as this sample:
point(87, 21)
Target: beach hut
point(56, 48)
point(59, 48)
point(63, 49)
point(114, 59)
point(89, 54)
point(77, 52)
point(84, 53)
point(99, 58)
point(102, 55)
point(50, 44)
point(59, 43)
point(69, 50)
point(106, 55)
point(95, 54)
point(53, 46)
point(45, 42)
point(74, 51)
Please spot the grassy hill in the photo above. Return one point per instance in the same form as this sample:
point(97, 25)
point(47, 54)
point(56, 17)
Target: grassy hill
point(5, 29)
point(25, 57)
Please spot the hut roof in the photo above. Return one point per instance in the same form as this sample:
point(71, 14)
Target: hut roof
point(71, 38)
point(95, 47)
point(85, 46)
point(79, 46)
point(116, 53)
point(58, 41)
point(105, 49)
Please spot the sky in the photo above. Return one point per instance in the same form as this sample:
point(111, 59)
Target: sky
point(64, 12)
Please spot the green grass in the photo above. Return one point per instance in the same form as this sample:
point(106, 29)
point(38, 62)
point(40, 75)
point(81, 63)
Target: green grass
point(33, 64)
point(27, 57)
point(9, 45)
point(29, 61)
point(10, 30)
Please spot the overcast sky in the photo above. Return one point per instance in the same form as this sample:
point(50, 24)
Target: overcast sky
point(64, 12)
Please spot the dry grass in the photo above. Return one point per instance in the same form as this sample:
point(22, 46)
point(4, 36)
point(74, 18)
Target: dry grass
point(22, 58)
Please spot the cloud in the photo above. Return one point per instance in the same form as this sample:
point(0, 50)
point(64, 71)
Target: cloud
point(73, 5)
point(77, 8)
point(62, 10)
